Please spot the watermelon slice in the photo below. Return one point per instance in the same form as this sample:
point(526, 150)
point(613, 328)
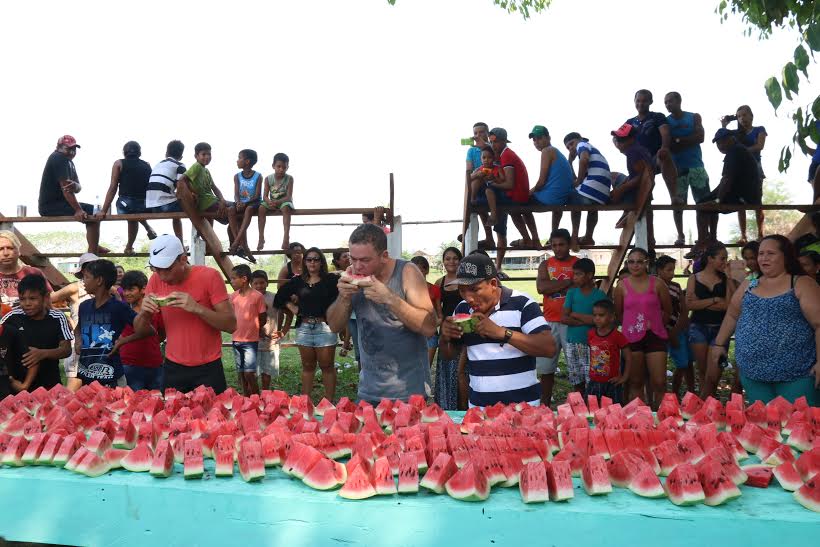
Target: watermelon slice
point(559, 480)
point(801, 437)
point(251, 465)
point(808, 464)
point(533, 484)
point(50, 449)
point(690, 405)
point(668, 456)
point(193, 462)
point(323, 406)
point(224, 455)
point(356, 279)
point(808, 495)
point(717, 487)
point(468, 484)
point(595, 476)
point(114, 456)
point(300, 459)
point(326, 474)
point(466, 322)
point(683, 485)
point(780, 455)
point(35, 446)
point(512, 466)
point(76, 458)
point(139, 459)
point(126, 435)
point(623, 467)
point(98, 442)
point(788, 477)
point(647, 484)
point(14, 452)
point(758, 475)
point(443, 467)
point(358, 485)
point(690, 450)
point(408, 474)
point(162, 466)
point(381, 476)
point(92, 465)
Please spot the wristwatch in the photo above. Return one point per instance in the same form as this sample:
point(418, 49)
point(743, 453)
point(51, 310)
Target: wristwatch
point(507, 335)
point(677, 140)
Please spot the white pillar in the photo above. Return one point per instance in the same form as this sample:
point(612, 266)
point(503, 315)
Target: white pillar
point(394, 238)
point(197, 248)
point(7, 226)
point(471, 237)
point(642, 233)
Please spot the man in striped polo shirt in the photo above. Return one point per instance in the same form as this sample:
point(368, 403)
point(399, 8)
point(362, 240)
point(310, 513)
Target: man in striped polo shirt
point(510, 332)
point(592, 185)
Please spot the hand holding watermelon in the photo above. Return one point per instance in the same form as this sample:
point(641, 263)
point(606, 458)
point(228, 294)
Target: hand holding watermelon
point(487, 328)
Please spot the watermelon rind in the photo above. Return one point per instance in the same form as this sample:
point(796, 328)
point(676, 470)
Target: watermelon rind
point(683, 486)
point(595, 476)
point(788, 477)
point(808, 495)
point(326, 474)
point(533, 484)
point(358, 485)
point(139, 459)
point(468, 484)
point(439, 473)
point(646, 484)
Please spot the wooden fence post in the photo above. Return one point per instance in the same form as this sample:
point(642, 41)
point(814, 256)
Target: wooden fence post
point(394, 238)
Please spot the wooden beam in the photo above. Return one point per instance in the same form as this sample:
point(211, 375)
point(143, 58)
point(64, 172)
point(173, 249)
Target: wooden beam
point(31, 256)
point(619, 254)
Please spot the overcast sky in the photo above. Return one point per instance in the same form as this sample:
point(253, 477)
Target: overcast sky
point(354, 90)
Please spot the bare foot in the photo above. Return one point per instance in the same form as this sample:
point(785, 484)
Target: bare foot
point(102, 250)
point(743, 240)
point(586, 241)
point(573, 244)
point(261, 244)
point(128, 251)
point(285, 244)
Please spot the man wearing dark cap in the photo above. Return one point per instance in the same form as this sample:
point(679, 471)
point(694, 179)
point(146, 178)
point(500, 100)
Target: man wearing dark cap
point(740, 181)
point(58, 188)
point(637, 188)
point(507, 333)
point(516, 190)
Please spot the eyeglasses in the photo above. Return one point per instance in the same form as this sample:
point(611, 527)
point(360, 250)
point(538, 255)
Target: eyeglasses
point(313, 259)
point(636, 262)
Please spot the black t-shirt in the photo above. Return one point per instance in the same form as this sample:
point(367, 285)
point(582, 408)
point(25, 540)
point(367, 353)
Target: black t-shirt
point(649, 135)
point(313, 300)
point(740, 169)
point(134, 177)
point(21, 332)
point(58, 167)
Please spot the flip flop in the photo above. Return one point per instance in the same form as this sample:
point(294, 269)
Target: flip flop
point(680, 242)
point(152, 235)
point(518, 243)
point(586, 241)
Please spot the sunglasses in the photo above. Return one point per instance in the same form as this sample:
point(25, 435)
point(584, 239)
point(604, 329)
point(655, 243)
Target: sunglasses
point(313, 259)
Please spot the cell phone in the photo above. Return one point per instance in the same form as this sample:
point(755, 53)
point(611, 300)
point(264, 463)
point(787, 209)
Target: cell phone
point(467, 142)
point(730, 118)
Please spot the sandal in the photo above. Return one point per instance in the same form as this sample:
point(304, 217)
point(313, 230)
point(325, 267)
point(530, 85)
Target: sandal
point(680, 242)
point(586, 241)
point(518, 243)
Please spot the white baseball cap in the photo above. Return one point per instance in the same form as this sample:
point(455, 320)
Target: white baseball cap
point(164, 250)
point(84, 259)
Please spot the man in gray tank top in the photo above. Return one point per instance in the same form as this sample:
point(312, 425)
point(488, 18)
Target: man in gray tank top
point(394, 316)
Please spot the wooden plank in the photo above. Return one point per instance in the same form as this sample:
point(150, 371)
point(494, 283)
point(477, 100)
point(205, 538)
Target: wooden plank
point(804, 225)
point(618, 256)
point(31, 256)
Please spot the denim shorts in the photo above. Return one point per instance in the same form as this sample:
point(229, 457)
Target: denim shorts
point(700, 333)
point(130, 206)
point(173, 207)
point(244, 355)
point(315, 335)
point(143, 377)
point(577, 199)
point(432, 342)
point(680, 355)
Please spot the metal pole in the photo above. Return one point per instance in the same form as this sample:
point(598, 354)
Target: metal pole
point(394, 238)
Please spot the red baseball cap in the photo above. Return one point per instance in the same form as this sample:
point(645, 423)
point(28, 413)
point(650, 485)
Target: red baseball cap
point(68, 141)
point(624, 131)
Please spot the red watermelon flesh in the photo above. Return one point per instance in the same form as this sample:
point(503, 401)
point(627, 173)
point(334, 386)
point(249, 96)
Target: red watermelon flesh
point(76, 458)
point(595, 476)
point(355, 462)
point(32, 428)
point(683, 485)
point(613, 441)
point(300, 459)
point(326, 474)
point(690, 405)
point(358, 485)
point(323, 406)
point(756, 413)
point(139, 459)
point(559, 480)
point(50, 449)
point(67, 449)
point(381, 477)
point(668, 456)
point(251, 464)
point(750, 437)
point(717, 487)
point(732, 446)
point(801, 436)
point(408, 473)
point(163, 463)
point(647, 484)
point(92, 465)
point(780, 455)
point(224, 455)
point(178, 444)
point(35, 446)
point(690, 450)
point(443, 467)
point(787, 476)
point(98, 442)
point(14, 452)
point(623, 467)
point(193, 462)
point(468, 484)
point(808, 495)
point(758, 475)
point(808, 464)
point(533, 483)
point(513, 466)
point(114, 456)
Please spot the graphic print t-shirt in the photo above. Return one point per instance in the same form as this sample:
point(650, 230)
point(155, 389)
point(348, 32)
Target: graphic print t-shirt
point(100, 328)
point(605, 355)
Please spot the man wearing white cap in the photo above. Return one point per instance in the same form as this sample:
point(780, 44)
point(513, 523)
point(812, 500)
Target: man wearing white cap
point(195, 309)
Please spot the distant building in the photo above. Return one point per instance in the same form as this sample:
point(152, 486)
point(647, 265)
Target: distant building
point(522, 260)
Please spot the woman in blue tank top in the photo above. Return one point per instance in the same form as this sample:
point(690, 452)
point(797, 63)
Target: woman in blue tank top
point(776, 322)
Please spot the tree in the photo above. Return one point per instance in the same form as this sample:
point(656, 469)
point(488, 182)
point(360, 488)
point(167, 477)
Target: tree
point(777, 222)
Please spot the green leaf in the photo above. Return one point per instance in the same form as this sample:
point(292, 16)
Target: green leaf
point(812, 36)
point(791, 81)
point(815, 108)
point(801, 60)
point(785, 159)
point(773, 92)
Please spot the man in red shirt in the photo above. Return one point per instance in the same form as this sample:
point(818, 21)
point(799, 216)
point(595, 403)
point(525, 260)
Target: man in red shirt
point(515, 190)
point(11, 269)
point(195, 309)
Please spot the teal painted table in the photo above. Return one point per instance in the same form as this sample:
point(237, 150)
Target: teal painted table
point(49, 505)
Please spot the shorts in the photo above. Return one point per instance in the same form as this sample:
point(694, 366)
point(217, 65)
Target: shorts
point(605, 389)
point(700, 333)
point(548, 365)
point(630, 197)
point(130, 206)
point(680, 355)
point(650, 343)
point(577, 362)
point(432, 342)
point(173, 207)
point(268, 362)
point(502, 198)
point(577, 199)
point(552, 197)
point(813, 170)
point(285, 205)
point(215, 207)
point(252, 203)
point(143, 377)
point(695, 178)
point(244, 355)
point(63, 209)
point(187, 378)
point(315, 335)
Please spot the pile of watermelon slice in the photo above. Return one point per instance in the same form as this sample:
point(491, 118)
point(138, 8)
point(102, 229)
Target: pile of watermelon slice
point(398, 448)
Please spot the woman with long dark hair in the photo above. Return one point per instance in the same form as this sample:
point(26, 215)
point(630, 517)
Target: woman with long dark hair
point(448, 390)
point(776, 322)
point(315, 290)
point(708, 293)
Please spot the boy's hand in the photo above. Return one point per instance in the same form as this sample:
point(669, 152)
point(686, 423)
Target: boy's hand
point(222, 209)
point(240, 206)
point(487, 328)
point(33, 357)
point(117, 345)
point(618, 380)
point(149, 304)
point(17, 385)
point(80, 216)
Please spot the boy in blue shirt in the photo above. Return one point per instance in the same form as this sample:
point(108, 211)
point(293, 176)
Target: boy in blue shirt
point(101, 321)
point(577, 314)
point(247, 189)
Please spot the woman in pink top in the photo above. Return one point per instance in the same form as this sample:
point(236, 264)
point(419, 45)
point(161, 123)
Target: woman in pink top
point(643, 305)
